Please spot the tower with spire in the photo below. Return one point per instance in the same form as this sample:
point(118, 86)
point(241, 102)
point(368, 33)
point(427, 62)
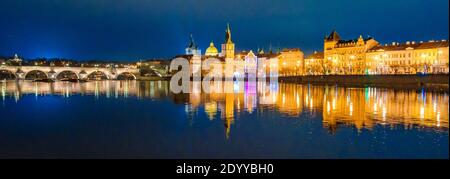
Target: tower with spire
point(228, 45)
point(192, 48)
point(331, 40)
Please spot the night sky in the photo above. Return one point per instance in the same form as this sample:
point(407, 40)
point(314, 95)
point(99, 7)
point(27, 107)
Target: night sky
point(144, 29)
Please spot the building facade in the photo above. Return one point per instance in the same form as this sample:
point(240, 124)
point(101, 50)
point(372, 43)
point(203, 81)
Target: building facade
point(339, 57)
point(291, 62)
point(228, 45)
point(315, 64)
point(367, 56)
point(409, 58)
point(192, 48)
point(346, 57)
point(211, 51)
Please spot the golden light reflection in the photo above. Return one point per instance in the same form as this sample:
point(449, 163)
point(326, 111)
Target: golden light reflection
point(363, 108)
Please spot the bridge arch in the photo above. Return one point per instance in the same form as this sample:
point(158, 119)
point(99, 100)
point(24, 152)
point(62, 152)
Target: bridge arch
point(126, 76)
point(67, 74)
point(35, 74)
point(98, 75)
point(7, 75)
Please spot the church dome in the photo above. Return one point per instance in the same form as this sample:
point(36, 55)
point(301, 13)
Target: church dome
point(211, 50)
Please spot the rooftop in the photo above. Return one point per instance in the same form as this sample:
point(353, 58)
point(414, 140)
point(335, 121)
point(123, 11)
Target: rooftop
point(316, 55)
point(414, 45)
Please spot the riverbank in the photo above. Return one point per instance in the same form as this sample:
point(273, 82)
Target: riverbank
point(428, 82)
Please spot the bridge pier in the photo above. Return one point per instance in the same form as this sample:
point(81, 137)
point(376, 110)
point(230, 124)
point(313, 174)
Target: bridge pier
point(82, 75)
point(51, 74)
point(20, 75)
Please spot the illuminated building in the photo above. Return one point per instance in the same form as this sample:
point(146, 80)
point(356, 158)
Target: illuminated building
point(16, 59)
point(290, 62)
point(346, 56)
point(228, 46)
point(251, 65)
point(211, 51)
point(268, 61)
point(409, 58)
point(367, 56)
point(292, 59)
point(340, 57)
point(315, 64)
point(192, 48)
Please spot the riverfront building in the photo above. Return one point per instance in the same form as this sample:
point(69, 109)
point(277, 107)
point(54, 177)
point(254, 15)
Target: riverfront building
point(346, 56)
point(360, 56)
point(228, 45)
point(287, 62)
point(291, 62)
point(367, 56)
point(315, 64)
point(409, 58)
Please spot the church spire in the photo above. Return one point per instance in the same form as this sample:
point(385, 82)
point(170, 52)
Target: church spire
point(192, 48)
point(228, 45)
point(192, 42)
point(228, 35)
point(360, 38)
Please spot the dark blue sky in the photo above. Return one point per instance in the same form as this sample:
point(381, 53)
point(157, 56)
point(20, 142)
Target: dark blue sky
point(142, 29)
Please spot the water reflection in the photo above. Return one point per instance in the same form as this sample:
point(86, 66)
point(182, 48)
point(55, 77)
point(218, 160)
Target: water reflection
point(363, 108)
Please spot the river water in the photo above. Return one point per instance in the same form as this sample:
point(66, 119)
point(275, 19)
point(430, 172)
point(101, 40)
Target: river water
point(143, 119)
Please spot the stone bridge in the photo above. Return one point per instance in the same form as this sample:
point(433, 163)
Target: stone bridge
point(20, 72)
